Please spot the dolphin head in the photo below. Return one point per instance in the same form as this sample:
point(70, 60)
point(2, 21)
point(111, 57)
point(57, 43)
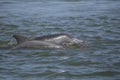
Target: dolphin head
point(77, 43)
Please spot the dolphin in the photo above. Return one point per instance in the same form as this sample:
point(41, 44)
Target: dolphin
point(26, 42)
point(51, 41)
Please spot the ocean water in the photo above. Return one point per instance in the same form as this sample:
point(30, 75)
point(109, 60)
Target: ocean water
point(96, 21)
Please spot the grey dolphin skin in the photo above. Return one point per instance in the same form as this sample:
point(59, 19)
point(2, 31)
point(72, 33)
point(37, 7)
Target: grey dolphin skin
point(50, 41)
point(37, 44)
point(59, 38)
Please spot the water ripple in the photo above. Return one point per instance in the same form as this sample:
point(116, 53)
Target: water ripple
point(99, 26)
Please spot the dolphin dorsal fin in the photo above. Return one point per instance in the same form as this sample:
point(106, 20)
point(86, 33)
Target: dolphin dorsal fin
point(20, 38)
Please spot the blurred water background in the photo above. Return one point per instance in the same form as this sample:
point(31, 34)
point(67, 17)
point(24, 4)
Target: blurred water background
point(96, 21)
